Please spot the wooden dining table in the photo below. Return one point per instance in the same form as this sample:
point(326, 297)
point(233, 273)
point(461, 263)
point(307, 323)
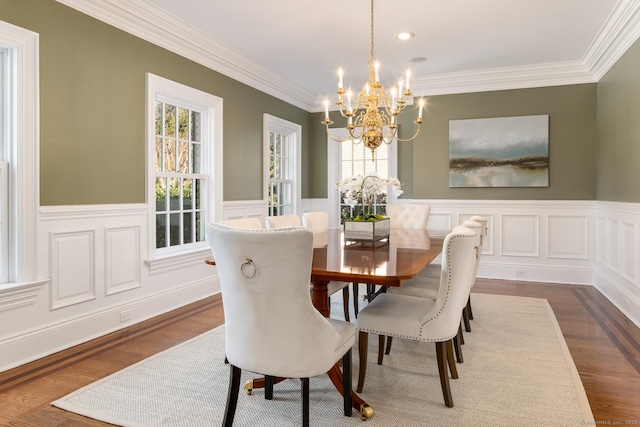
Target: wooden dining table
point(387, 262)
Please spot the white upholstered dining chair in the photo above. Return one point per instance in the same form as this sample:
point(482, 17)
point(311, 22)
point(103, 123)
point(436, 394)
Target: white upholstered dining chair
point(249, 223)
point(283, 221)
point(318, 223)
point(271, 325)
point(404, 215)
point(423, 319)
point(427, 287)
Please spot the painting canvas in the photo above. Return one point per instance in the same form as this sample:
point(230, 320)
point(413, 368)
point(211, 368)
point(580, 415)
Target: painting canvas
point(499, 152)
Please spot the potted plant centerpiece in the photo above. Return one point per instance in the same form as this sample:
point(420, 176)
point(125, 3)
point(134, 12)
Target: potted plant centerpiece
point(367, 226)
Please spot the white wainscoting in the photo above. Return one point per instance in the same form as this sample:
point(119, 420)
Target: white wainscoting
point(617, 271)
point(245, 209)
point(95, 258)
point(540, 241)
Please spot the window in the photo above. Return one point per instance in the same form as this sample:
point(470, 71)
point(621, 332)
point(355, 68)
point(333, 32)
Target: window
point(346, 159)
point(4, 175)
point(355, 159)
point(19, 174)
point(282, 142)
point(185, 165)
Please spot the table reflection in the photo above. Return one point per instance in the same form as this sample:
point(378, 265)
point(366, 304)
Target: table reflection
point(404, 253)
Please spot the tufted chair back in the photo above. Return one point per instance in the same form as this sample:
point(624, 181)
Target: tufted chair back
point(272, 326)
point(283, 221)
point(408, 216)
point(250, 223)
point(318, 222)
point(442, 321)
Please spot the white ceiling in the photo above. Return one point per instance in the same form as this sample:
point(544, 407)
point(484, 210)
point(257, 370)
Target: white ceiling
point(306, 41)
point(293, 48)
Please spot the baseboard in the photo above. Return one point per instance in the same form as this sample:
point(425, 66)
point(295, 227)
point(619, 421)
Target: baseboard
point(616, 293)
point(536, 273)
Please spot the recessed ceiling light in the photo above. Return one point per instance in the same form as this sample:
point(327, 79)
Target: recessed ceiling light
point(405, 36)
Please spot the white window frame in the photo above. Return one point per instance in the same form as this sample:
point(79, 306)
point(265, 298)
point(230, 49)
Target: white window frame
point(159, 88)
point(334, 172)
point(293, 132)
point(21, 133)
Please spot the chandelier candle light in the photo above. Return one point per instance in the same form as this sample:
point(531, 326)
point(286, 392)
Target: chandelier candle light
point(378, 122)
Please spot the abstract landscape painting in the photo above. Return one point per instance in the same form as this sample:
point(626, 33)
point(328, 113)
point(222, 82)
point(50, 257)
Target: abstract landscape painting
point(499, 152)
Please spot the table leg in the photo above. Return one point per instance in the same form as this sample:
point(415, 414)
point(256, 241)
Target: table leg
point(320, 297)
point(321, 303)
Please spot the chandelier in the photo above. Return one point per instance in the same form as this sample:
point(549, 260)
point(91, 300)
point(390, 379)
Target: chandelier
point(372, 118)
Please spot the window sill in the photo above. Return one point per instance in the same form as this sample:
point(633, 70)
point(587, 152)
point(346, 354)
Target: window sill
point(17, 295)
point(176, 261)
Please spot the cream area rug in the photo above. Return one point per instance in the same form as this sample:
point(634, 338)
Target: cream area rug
point(517, 371)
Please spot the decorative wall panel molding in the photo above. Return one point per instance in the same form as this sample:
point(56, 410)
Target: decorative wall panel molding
point(567, 236)
point(617, 271)
point(520, 235)
point(73, 276)
point(122, 259)
point(245, 209)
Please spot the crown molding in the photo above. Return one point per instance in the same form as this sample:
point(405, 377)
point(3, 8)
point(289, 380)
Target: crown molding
point(145, 20)
point(618, 33)
point(540, 75)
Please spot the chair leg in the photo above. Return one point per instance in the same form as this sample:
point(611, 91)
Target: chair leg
point(363, 338)
point(346, 383)
point(458, 346)
point(370, 292)
point(465, 318)
point(451, 361)
point(305, 402)
point(355, 286)
point(345, 303)
point(232, 396)
point(469, 308)
point(388, 349)
point(381, 348)
point(441, 354)
point(268, 387)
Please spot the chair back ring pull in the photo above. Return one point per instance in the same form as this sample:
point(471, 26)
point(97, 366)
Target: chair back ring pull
point(248, 262)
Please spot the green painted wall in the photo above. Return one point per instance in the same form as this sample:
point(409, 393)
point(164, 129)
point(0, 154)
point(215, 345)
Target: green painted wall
point(572, 141)
point(423, 165)
point(92, 145)
point(618, 149)
point(92, 108)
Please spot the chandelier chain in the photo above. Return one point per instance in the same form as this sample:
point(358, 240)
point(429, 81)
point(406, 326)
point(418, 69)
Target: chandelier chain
point(371, 60)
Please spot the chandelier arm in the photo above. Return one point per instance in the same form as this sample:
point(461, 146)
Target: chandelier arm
point(414, 135)
point(351, 136)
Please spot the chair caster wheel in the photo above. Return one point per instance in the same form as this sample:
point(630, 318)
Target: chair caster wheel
point(249, 387)
point(366, 412)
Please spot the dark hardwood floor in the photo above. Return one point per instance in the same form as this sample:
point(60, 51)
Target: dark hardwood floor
point(604, 344)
